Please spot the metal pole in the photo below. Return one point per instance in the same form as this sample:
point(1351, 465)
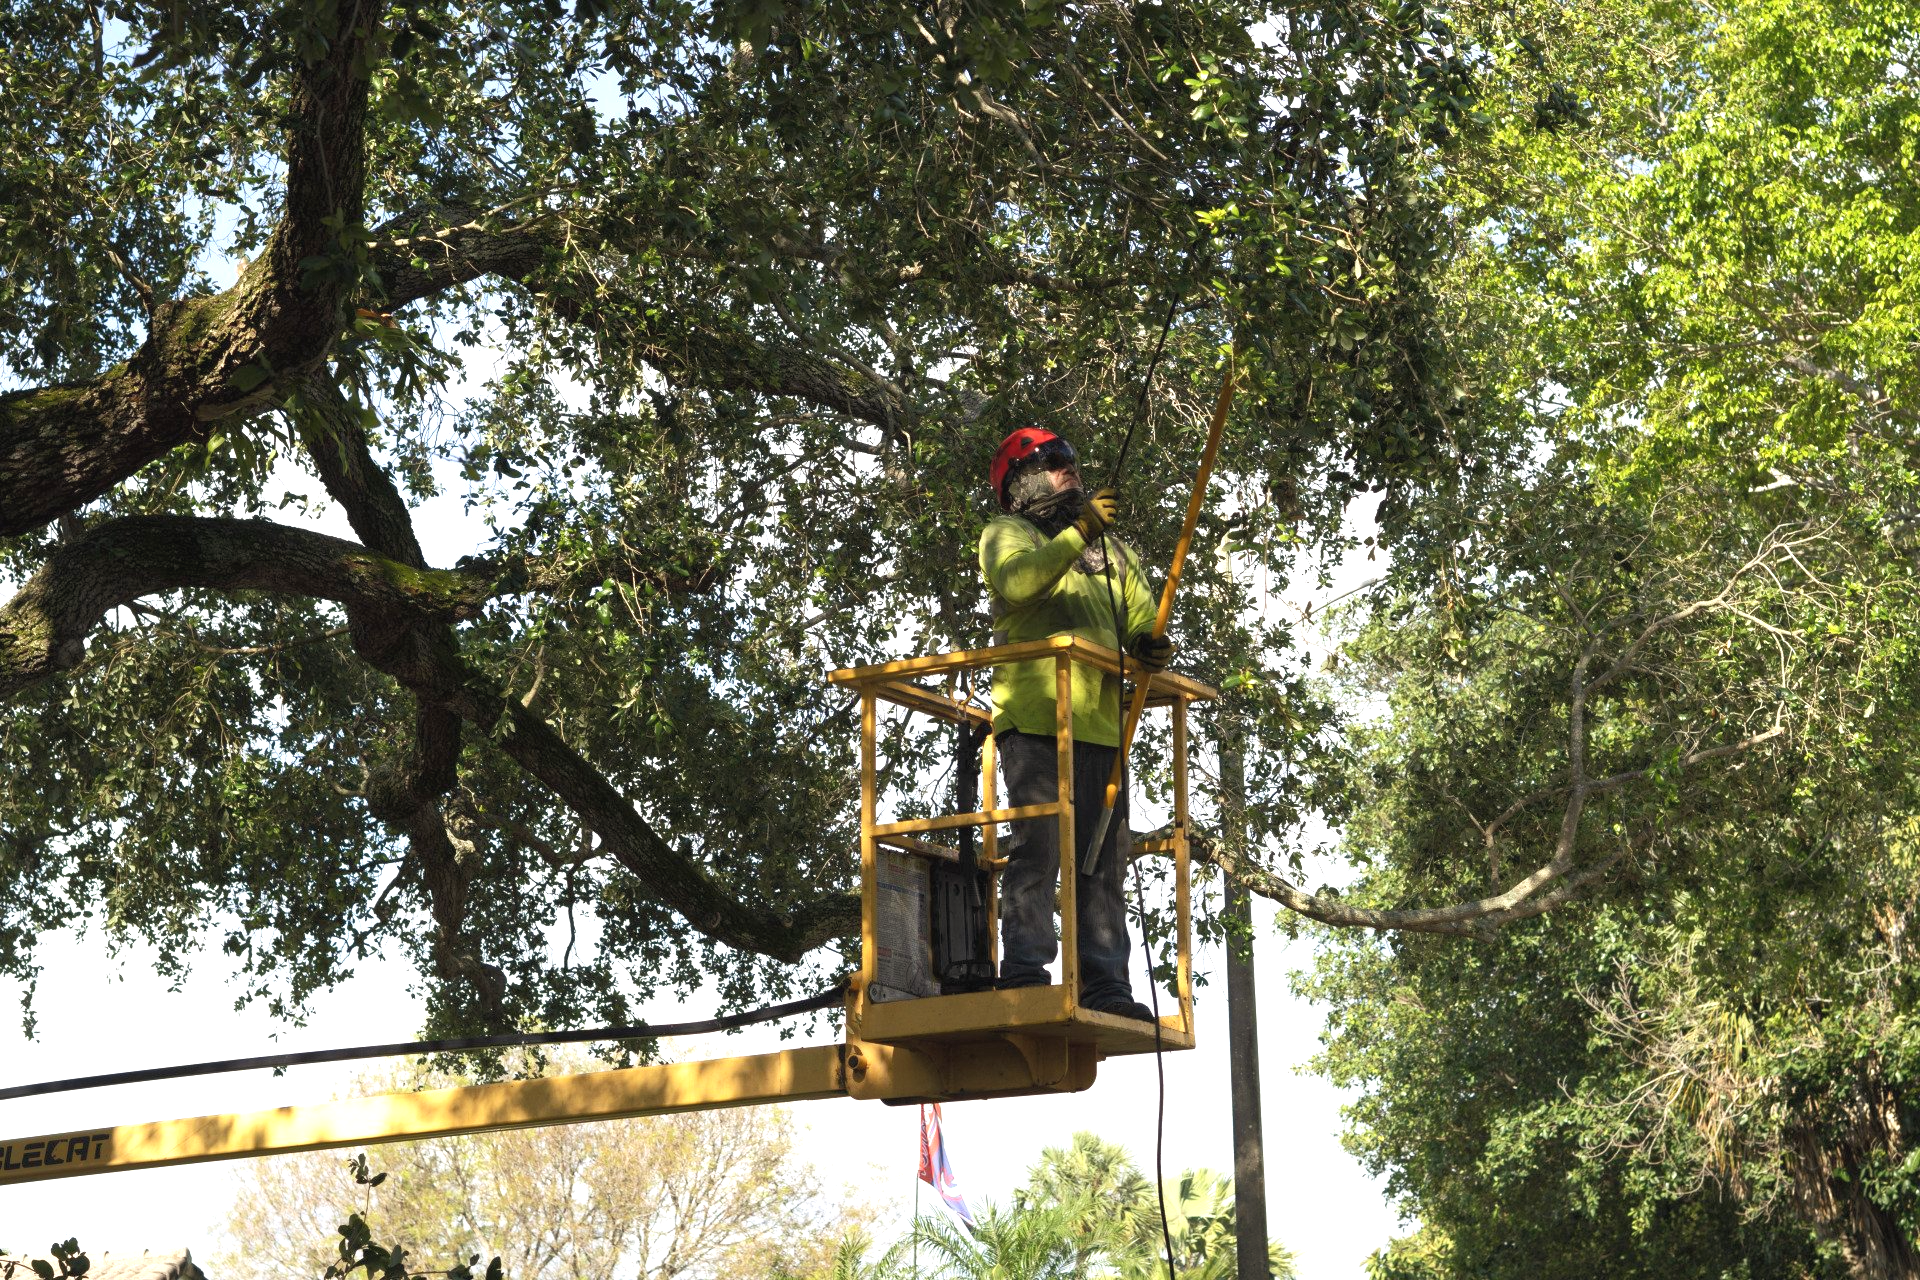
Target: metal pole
point(916, 1189)
point(1243, 1031)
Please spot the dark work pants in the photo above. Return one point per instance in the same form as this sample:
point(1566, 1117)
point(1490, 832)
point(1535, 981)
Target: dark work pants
point(1027, 939)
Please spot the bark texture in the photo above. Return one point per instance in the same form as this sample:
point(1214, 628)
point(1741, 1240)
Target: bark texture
point(43, 629)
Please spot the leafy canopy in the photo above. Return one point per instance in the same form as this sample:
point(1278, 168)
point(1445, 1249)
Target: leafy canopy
point(1691, 589)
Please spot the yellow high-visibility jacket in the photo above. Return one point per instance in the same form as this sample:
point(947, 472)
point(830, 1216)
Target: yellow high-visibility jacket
point(1037, 589)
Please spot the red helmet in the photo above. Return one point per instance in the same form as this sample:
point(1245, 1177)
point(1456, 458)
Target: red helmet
point(1023, 444)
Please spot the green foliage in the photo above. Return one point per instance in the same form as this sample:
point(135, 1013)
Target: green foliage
point(1003, 1244)
point(1676, 569)
point(1421, 1256)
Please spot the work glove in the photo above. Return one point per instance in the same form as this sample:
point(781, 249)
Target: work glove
point(1101, 510)
point(1151, 651)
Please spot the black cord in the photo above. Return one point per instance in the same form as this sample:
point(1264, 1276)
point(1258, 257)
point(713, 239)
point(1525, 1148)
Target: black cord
point(1119, 634)
point(1140, 402)
point(1160, 1071)
point(728, 1022)
point(1140, 902)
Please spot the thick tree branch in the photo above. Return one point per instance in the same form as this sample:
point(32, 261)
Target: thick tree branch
point(436, 673)
point(730, 360)
point(676, 879)
point(408, 798)
point(63, 446)
point(427, 252)
point(43, 629)
point(424, 656)
point(335, 442)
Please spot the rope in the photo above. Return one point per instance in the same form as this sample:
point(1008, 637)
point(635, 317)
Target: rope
point(639, 1030)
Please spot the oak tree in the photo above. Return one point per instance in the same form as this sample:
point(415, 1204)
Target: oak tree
point(710, 314)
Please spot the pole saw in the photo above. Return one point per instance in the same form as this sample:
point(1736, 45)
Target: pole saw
point(1090, 862)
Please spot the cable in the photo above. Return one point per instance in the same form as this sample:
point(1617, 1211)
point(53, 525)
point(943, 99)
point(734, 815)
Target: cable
point(1153, 987)
point(1140, 899)
point(1140, 906)
point(727, 1022)
point(1160, 1072)
point(1140, 402)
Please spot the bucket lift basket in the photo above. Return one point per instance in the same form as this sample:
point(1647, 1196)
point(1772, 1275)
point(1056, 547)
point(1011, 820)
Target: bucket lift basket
point(1045, 1025)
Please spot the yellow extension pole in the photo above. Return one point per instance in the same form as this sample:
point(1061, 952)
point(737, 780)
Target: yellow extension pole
point(1091, 861)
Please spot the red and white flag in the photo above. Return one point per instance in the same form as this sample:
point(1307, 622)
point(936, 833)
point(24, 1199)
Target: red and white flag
point(934, 1169)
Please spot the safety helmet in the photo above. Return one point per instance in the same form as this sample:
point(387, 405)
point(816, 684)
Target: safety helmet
point(1036, 443)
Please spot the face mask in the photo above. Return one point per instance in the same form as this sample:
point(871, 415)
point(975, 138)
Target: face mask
point(1027, 488)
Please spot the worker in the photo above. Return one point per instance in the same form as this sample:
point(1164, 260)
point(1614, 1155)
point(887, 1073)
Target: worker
point(1054, 568)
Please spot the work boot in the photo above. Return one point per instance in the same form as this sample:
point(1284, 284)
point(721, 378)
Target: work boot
point(1121, 1007)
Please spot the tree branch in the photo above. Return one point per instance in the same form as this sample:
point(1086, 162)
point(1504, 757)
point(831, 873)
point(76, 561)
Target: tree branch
point(43, 629)
point(436, 673)
point(682, 343)
point(408, 798)
point(1521, 900)
point(674, 878)
point(330, 431)
point(63, 446)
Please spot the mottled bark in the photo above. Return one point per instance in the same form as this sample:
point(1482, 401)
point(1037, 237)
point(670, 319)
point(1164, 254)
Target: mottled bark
point(43, 629)
point(456, 244)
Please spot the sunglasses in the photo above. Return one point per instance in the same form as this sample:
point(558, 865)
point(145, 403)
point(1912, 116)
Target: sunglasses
point(1055, 455)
